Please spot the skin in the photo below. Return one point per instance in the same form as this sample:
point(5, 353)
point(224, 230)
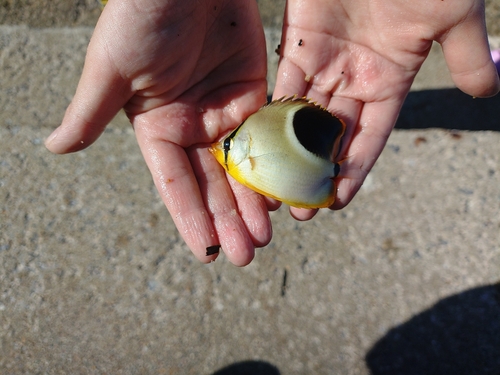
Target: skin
point(362, 57)
point(180, 99)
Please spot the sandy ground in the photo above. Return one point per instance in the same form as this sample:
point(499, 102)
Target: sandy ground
point(95, 279)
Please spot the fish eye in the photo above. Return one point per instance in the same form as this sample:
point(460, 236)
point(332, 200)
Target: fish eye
point(228, 144)
point(336, 169)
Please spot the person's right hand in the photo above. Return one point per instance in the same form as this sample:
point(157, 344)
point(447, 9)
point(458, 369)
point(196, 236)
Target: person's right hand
point(186, 72)
point(358, 58)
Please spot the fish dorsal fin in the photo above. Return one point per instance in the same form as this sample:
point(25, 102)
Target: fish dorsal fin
point(293, 100)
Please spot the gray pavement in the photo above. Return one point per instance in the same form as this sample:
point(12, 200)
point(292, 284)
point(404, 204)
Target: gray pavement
point(95, 279)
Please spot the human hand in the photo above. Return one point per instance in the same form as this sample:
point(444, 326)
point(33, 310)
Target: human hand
point(358, 58)
point(186, 72)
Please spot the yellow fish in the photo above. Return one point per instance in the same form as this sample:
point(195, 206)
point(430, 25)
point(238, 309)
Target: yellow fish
point(286, 150)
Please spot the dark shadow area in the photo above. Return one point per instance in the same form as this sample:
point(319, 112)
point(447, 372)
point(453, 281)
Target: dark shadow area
point(249, 368)
point(460, 335)
point(449, 109)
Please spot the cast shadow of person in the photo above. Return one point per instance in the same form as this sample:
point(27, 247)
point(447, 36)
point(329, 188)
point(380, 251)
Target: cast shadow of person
point(459, 335)
point(449, 109)
point(249, 368)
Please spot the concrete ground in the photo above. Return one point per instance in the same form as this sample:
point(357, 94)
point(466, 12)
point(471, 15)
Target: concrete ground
point(95, 279)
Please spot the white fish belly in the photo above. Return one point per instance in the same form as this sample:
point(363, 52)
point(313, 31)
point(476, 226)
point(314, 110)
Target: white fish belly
point(290, 180)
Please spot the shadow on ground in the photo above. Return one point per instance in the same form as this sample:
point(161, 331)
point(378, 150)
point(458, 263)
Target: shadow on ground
point(459, 335)
point(249, 368)
point(449, 109)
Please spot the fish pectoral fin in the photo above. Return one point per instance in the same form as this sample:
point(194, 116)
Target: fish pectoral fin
point(252, 162)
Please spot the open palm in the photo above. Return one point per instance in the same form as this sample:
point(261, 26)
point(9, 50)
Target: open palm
point(358, 58)
point(188, 71)
point(185, 72)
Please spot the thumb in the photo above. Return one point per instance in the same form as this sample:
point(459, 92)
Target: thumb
point(468, 57)
point(100, 94)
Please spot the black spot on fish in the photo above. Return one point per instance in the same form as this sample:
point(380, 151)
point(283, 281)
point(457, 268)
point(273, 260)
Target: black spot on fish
point(317, 130)
point(228, 143)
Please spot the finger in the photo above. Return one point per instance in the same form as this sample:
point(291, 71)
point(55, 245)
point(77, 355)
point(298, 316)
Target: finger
point(100, 94)
point(349, 111)
point(468, 57)
point(375, 124)
point(232, 232)
point(253, 210)
point(289, 80)
point(175, 181)
point(303, 214)
point(272, 204)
